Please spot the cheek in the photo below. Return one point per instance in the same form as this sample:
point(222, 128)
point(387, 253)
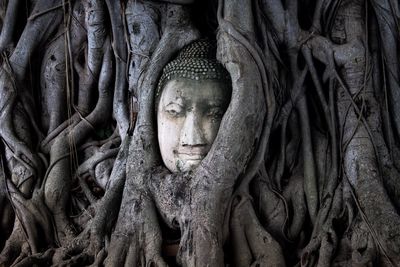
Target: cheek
point(210, 129)
point(168, 134)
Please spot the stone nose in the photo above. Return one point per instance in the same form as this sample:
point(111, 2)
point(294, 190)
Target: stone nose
point(192, 134)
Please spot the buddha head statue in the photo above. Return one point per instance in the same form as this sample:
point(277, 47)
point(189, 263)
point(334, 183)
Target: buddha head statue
point(193, 94)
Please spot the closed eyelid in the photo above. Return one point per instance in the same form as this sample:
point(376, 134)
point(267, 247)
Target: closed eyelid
point(218, 103)
point(214, 106)
point(174, 104)
point(174, 110)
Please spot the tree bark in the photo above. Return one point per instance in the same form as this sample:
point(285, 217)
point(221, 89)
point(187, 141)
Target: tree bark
point(303, 171)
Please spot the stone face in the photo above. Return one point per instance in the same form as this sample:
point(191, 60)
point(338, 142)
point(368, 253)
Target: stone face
point(188, 117)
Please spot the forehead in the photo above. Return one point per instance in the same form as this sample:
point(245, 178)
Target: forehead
point(195, 90)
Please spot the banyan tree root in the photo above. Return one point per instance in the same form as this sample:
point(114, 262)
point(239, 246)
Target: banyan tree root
point(58, 178)
point(54, 70)
point(365, 197)
point(137, 225)
point(202, 216)
point(351, 198)
point(15, 246)
point(120, 105)
point(89, 247)
point(251, 244)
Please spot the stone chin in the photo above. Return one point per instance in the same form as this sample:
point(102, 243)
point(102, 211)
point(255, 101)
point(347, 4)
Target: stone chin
point(185, 165)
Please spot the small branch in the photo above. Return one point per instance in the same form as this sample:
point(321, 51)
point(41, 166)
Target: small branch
point(275, 12)
point(310, 176)
point(9, 24)
point(38, 14)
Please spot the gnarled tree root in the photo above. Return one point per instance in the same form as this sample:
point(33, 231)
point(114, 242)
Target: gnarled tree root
point(251, 244)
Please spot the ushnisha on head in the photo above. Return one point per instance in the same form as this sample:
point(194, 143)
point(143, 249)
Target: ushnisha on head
point(193, 94)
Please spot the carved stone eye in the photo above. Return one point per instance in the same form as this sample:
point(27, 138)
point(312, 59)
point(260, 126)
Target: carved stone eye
point(174, 110)
point(215, 113)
